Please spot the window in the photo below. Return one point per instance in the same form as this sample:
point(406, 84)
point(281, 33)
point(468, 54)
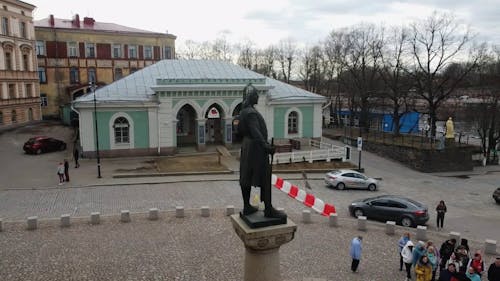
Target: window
point(91, 75)
point(5, 26)
point(13, 116)
point(167, 52)
point(12, 91)
point(74, 75)
point(118, 73)
point(30, 114)
point(1, 118)
point(293, 127)
point(43, 100)
point(8, 61)
point(380, 203)
point(73, 49)
point(29, 90)
point(148, 52)
point(132, 51)
point(26, 66)
point(117, 51)
point(22, 29)
point(133, 69)
point(40, 48)
point(41, 75)
point(121, 127)
point(89, 50)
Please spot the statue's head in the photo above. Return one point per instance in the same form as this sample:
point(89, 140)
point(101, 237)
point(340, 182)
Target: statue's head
point(250, 95)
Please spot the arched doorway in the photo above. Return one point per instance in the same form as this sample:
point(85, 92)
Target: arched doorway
point(186, 126)
point(236, 111)
point(214, 128)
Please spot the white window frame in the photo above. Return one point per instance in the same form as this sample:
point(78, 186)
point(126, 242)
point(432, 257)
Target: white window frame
point(150, 48)
point(132, 52)
point(165, 48)
point(88, 48)
point(40, 48)
point(299, 123)
point(73, 49)
point(112, 142)
point(44, 100)
point(120, 51)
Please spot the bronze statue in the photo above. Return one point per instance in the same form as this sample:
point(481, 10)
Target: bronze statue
point(255, 169)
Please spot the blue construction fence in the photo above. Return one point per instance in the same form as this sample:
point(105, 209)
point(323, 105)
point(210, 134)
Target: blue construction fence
point(410, 121)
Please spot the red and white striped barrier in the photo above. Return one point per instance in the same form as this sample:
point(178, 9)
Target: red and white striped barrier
point(300, 195)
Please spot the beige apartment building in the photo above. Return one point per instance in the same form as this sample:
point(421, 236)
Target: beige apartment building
point(74, 53)
point(19, 88)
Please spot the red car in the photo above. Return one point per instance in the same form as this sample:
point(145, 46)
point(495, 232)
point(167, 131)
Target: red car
point(41, 144)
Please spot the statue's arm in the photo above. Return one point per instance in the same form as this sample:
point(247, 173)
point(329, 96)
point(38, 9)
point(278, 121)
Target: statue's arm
point(256, 134)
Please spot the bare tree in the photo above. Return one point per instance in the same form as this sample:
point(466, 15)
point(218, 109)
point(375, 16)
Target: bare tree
point(361, 64)
point(311, 71)
point(287, 53)
point(396, 83)
point(435, 43)
point(246, 57)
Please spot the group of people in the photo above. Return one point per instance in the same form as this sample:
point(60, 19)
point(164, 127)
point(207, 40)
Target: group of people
point(453, 262)
point(63, 168)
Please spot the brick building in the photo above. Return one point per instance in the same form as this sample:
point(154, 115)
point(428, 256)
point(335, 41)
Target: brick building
point(19, 90)
point(73, 53)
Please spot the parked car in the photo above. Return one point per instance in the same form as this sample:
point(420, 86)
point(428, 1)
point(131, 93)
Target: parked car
point(402, 210)
point(41, 144)
point(496, 195)
point(341, 179)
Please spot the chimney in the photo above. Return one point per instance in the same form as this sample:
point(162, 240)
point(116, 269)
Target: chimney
point(51, 20)
point(76, 21)
point(88, 21)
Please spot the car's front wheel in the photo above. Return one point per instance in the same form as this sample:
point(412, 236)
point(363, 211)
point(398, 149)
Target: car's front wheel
point(358, 212)
point(62, 146)
point(340, 186)
point(406, 221)
point(372, 187)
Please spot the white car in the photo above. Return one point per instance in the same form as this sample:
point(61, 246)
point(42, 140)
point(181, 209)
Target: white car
point(341, 179)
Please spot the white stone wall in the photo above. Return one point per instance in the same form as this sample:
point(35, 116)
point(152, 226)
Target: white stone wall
point(87, 130)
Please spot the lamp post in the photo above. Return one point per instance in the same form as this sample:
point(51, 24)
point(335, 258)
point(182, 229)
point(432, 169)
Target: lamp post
point(92, 86)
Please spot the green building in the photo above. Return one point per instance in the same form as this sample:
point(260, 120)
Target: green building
point(176, 103)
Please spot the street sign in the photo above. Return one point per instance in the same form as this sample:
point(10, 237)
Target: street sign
point(360, 143)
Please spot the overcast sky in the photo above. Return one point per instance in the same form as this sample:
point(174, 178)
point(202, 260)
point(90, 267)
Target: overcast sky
point(265, 22)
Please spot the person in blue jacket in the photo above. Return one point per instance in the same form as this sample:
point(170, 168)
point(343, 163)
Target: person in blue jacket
point(356, 252)
point(418, 252)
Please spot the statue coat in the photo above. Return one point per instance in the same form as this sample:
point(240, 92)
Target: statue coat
point(255, 169)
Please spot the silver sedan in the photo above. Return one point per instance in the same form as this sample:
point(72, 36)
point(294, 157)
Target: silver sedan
point(341, 179)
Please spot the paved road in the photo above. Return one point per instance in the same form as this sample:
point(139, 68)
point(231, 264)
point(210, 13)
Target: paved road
point(471, 209)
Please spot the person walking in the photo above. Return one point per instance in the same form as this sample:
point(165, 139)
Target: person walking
point(60, 173)
point(494, 270)
point(423, 269)
point(76, 156)
point(355, 252)
point(407, 254)
point(401, 244)
point(441, 210)
point(66, 170)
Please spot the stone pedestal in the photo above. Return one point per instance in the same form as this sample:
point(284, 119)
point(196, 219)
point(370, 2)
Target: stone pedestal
point(262, 259)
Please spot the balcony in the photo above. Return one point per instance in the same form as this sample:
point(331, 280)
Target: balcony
point(30, 100)
point(18, 75)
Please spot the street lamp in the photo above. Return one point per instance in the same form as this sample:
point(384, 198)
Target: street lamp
point(93, 86)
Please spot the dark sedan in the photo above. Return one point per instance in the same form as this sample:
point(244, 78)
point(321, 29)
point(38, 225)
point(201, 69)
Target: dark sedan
point(402, 210)
point(37, 145)
point(496, 195)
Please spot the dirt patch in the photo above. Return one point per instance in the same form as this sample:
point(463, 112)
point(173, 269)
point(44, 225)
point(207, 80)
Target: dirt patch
point(190, 164)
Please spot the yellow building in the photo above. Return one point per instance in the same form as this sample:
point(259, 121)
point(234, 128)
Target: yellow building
point(73, 54)
point(19, 93)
